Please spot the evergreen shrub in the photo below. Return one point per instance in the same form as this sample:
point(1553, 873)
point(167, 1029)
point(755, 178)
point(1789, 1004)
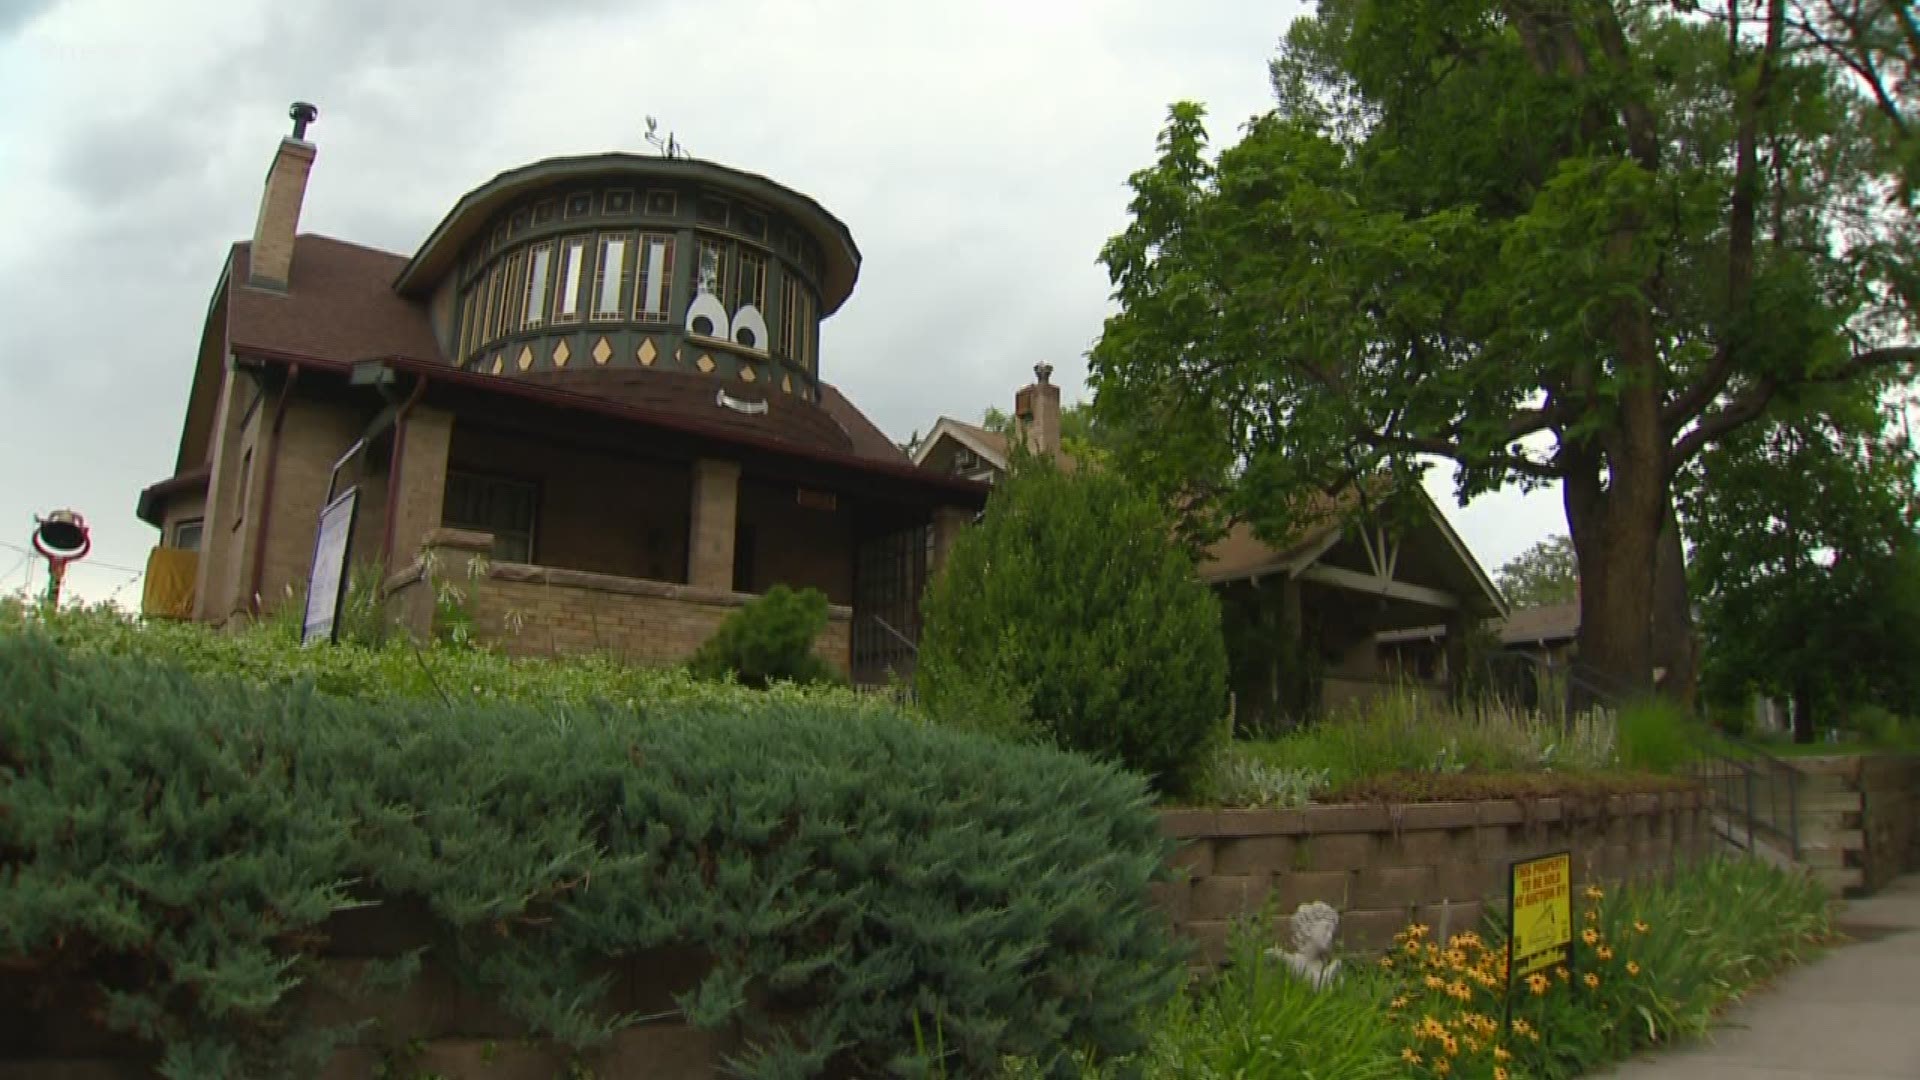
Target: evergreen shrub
point(1073, 589)
point(768, 640)
point(181, 841)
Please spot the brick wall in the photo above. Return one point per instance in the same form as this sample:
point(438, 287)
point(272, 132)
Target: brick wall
point(543, 611)
point(1385, 866)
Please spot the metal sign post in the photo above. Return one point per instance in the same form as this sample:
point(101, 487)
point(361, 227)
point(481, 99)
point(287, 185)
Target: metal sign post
point(327, 580)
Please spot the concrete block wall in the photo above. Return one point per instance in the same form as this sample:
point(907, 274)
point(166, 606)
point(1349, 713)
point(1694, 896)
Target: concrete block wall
point(1859, 818)
point(1385, 866)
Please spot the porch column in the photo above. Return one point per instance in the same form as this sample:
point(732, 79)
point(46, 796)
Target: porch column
point(418, 485)
point(948, 521)
point(716, 502)
point(1459, 625)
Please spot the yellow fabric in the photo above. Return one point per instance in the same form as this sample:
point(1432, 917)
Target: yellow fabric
point(169, 585)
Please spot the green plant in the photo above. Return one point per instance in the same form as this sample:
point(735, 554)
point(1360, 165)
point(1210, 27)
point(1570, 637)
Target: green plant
point(1655, 736)
point(1072, 588)
point(768, 640)
point(1648, 964)
point(845, 868)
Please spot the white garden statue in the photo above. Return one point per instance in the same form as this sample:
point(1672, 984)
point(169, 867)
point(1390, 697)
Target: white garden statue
point(1311, 957)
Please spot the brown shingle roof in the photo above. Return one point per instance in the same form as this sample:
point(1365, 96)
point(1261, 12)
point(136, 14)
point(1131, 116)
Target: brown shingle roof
point(339, 305)
point(1241, 554)
point(1548, 622)
point(863, 437)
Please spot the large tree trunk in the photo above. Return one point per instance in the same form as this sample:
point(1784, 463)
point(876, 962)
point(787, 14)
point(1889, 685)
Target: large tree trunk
point(1674, 648)
point(1802, 713)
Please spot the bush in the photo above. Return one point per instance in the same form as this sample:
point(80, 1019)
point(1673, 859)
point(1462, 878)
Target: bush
point(1656, 736)
point(769, 640)
point(1072, 588)
point(269, 654)
point(853, 874)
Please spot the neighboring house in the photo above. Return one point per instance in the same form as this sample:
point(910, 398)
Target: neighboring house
point(600, 371)
point(1336, 584)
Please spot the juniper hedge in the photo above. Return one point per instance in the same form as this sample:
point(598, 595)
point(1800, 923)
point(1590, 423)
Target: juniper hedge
point(183, 840)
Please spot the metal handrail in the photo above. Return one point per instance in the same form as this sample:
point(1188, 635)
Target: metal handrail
point(1754, 789)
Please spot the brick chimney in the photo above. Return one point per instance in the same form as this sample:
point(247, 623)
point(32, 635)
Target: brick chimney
point(270, 262)
point(1037, 409)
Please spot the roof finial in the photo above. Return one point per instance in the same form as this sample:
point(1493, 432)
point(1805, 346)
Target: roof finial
point(303, 113)
point(1042, 371)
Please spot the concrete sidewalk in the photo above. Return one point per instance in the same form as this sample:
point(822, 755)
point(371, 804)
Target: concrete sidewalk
point(1853, 1014)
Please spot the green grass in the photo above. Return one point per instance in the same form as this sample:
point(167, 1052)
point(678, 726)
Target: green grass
point(1403, 746)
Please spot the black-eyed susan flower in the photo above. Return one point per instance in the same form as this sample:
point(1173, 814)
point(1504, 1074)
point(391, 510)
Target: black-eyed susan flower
point(1590, 935)
point(1633, 968)
point(1604, 952)
point(1592, 980)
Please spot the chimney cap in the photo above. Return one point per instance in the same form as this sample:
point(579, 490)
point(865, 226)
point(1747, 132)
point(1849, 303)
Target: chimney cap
point(303, 113)
point(1042, 371)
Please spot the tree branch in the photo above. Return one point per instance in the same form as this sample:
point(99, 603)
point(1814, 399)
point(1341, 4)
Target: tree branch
point(1425, 444)
point(1753, 401)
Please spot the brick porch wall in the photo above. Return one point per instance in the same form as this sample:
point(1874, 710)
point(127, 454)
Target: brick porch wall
point(1385, 866)
point(545, 611)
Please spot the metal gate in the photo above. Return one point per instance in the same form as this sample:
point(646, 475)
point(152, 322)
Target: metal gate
point(890, 571)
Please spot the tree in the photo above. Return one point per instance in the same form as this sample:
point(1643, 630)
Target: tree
point(1546, 573)
point(1072, 593)
point(1807, 560)
point(1573, 243)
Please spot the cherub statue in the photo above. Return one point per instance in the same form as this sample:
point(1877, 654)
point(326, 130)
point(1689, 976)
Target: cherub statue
point(1311, 957)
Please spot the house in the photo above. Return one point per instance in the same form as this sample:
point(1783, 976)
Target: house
point(1530, 663)
point(593, 396)
point(1344, 577)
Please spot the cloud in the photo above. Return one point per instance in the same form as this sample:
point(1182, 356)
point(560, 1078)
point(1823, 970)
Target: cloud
point(979, 153)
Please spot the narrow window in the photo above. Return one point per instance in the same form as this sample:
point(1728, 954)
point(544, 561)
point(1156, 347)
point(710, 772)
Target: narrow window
point(566, 306)
point(186, 534)
point(711, 274)
point(615, 272)
point(750, 279)
point(464, 334)
point(654, 295)
point(490, 289)
point(534, 310)
point(796, 322)
point(513, 285)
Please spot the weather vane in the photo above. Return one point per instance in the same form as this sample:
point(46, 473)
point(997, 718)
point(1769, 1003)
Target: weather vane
point(667, 144)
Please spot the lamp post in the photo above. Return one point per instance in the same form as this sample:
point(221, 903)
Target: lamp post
point(61, 538)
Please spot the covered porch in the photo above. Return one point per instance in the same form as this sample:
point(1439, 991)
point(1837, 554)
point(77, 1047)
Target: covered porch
point(573, 524)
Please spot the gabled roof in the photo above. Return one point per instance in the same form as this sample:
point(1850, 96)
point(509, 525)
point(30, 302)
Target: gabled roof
point(339, 305)
point(1542, 624)
point(990, 445)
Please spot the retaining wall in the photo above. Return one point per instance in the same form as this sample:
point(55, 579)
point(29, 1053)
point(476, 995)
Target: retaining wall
point(1385, 866)
point(1859, 818)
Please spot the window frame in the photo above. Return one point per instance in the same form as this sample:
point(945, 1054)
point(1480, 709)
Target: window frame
point(533, 310)
point(578, 243)
point(532, 490)
point(648, 241)
point(199, 532)
point(617, 311)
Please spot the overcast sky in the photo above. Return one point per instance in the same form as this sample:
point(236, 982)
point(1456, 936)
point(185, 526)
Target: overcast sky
point(978, 151)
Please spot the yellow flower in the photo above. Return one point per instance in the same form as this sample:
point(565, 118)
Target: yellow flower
point(1451, 1044)
point(1521, 1027)
point(1592, 980)
point(1589, 935)
point(1590, 915)
point(1398, 1003)
point(1435, 982)
point(1387, 962)
point(1410, 1056)
point(1633, 968)
point(1418, 930)
point(1499, 1072)
point(1594, 893)
point(1537, 983)
point(1604, 952)
point(1440, 1067)
point(1562, 972)
point(1640, 927)
point(1501, 1053)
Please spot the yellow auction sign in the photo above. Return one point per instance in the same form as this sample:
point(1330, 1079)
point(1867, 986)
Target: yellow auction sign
point(1540, 911)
